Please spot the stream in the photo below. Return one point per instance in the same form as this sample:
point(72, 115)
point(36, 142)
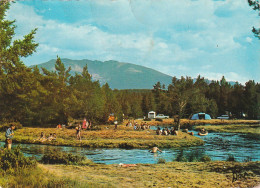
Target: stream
point(218, 146)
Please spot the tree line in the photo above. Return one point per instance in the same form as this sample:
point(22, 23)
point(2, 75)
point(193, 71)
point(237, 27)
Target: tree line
point(37, 97)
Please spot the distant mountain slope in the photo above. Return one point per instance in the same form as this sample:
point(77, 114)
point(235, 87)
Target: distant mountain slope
point(118, 75)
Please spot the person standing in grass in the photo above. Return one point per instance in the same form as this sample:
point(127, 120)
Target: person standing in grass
point(78, 130)
point(115, 122)
point(9, 136)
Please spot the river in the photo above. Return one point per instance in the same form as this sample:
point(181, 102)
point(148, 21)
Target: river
point(218, 146)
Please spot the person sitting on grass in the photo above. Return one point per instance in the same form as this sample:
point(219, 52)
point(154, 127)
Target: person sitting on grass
point(158, 131)
point(50, 138)
point(174, 131)
point(42, 137)
point(54, 136)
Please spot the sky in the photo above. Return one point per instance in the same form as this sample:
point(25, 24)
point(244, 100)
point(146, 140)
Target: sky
point(211, 38)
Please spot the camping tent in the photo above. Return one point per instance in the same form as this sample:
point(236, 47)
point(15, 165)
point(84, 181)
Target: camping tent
point(200, 116)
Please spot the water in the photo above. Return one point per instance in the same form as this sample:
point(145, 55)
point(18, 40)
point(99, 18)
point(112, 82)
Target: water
point(218, 146)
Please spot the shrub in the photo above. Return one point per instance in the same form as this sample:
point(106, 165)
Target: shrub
point(158, 119)
point(54, 156)
point(194, 156)
point(180, 157)
point(247, 159)
point(6, 125)
point(205, 158)
point(161, 161)
point(231, 158)
point(14, 159)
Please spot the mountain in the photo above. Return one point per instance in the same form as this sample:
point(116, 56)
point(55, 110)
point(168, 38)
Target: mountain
point(118, 75)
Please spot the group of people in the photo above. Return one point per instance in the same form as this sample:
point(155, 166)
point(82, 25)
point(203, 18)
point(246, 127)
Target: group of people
point(86, 124)
point(166, 131)
point(142, 126)
point(43, 137)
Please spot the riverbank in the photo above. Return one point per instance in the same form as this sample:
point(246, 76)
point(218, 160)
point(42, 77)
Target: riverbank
point(252, 130)
point(107, 137)
point(172, 174)
point(188, 122)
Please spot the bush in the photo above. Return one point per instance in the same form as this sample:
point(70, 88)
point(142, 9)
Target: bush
point(55, 156)
point(158, 119)
point(231, 158)
point(247, 159)
point(14, 159)
point(180, 157)
point(147, 119)
point(205, 158)
point(6, 125)
point(161, 161)
point(194, 156)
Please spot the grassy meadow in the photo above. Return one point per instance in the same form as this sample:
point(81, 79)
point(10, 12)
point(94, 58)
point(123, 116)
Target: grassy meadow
point(107, 137)
point(172, 174)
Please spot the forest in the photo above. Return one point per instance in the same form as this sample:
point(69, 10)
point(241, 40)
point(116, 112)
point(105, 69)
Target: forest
point(37, 97)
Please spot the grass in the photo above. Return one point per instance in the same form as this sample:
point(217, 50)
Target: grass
point(185, 122)
point(173, 174)
point(123, 137)
point(252, 130)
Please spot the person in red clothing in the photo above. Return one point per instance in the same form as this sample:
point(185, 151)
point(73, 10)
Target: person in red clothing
point(84, 124)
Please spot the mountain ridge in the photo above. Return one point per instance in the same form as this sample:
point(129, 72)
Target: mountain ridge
point(118, 75)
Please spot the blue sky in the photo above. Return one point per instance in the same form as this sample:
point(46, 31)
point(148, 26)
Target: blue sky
point(178, 38)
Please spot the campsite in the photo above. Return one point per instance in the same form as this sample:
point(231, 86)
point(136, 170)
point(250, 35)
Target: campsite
point(129, 94)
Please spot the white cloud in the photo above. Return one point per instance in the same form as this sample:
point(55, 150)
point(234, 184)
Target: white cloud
point(249, 39)
point(229, 76)
point(177, 37)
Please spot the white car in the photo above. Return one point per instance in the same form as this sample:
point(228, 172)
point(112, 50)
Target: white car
point(223, 117)
point(161, 116)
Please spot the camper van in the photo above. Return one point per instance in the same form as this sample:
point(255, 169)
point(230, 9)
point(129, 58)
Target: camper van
point(151, 115)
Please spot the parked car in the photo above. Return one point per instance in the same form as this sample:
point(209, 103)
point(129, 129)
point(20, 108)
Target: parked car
point(161, 116)
point(223, 117)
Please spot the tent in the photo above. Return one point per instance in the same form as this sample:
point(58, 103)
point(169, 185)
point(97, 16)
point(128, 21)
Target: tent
point(200, 116)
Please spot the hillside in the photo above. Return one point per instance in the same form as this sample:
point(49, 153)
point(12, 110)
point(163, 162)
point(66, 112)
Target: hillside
point(118, 75)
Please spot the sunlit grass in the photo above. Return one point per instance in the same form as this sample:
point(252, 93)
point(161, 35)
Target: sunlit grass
point(123, 137)
point(172, 174)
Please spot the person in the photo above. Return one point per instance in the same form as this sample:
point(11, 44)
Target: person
point(42, 137)
point(84, 124)
point(9, 136)
point(50, 138)
point(158, 131)
point(126, 165)
point(54, 136)
point(155, 149)
point(187, 131)
point(115, 122)
point(59, 126)
point(78, 130)
point(203, 131)
point(89, 124)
